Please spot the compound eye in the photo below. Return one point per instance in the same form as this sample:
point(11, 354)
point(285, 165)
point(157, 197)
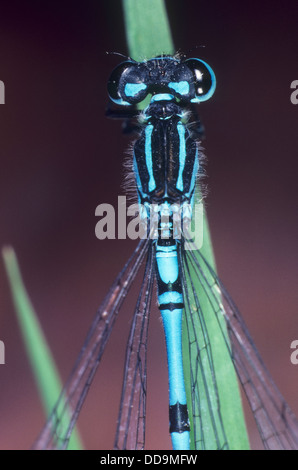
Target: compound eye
point(204, 79)
point(115, 87)
point(126, 85)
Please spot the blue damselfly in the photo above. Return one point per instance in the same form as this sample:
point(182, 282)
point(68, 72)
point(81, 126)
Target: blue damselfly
point(166, 162)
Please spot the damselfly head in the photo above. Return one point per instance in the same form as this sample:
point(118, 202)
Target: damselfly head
point(184, 81)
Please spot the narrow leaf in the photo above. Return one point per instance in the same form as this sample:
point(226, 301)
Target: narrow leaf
point(42, 362)
point(147, 29)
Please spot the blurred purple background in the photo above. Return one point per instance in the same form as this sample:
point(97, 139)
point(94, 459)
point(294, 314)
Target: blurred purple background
point(60, 158)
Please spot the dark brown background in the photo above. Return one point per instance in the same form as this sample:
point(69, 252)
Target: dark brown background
point(60, 158)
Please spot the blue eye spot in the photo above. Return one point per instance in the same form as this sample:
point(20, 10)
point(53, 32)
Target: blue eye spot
point(180, 87)
point(132, 89)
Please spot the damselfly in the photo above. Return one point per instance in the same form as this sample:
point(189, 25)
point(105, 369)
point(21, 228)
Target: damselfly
point(166, 162)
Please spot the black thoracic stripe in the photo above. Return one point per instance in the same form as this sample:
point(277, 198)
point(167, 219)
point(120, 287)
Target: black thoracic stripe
point(139, 155)
point(172, 152)
point(178, 416)
point(158, 149)
point(191, 152)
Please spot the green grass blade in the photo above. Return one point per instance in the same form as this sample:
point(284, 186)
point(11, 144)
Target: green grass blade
point(230, 423)
point(142, 18)
point(42, 362)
